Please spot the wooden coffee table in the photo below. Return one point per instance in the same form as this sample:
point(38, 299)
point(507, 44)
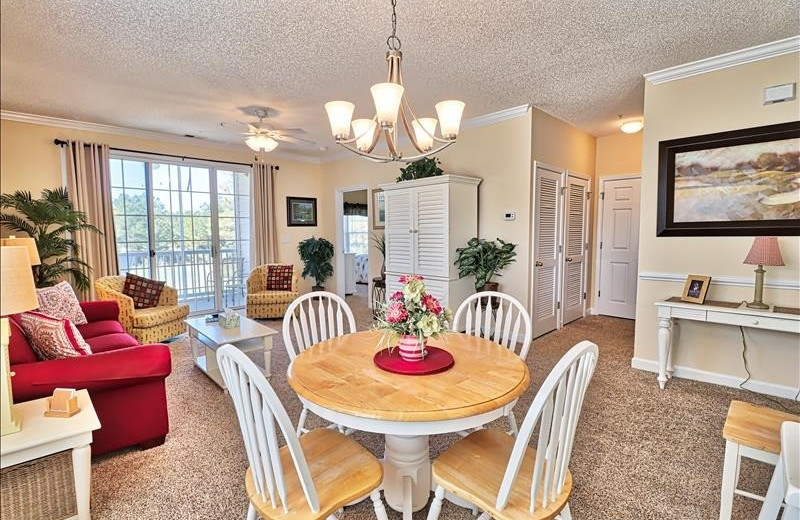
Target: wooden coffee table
point(206, 338)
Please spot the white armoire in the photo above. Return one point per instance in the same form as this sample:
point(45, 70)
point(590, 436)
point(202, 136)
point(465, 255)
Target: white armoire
point(426, 220)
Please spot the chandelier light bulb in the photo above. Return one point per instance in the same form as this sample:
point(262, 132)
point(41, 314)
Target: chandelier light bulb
point(339, 114)
point(261, 142)
point(631, 127)
point(424, 129)
point(364, 132)
point(450, 112)
point(387, 97)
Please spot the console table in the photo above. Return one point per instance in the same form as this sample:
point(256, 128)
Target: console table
point(713, 312)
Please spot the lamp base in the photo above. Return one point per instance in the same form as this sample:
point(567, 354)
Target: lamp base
point(758, 292)
point(757, 305)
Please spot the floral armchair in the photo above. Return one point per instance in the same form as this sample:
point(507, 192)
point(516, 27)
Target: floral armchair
point(264, 303)
point(150, 325)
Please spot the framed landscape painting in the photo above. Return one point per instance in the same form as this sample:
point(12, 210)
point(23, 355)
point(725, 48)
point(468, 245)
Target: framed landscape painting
point(743, 183)
point(301, 211)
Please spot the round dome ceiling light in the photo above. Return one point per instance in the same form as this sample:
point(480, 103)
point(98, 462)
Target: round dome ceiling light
point(631, 127)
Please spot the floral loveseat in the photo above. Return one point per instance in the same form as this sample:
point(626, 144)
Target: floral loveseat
point(150, 325)
point(264, 303)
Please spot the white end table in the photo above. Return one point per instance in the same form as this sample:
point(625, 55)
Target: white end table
point(206, 338)
point(41, 436)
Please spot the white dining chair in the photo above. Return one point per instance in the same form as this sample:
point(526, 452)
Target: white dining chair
point(311, 318)
point(500, 318)
point(280, 482)
point(504, 476)
point(784, 488)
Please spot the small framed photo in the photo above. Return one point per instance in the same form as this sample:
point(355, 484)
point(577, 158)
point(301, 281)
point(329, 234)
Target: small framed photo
point(301, 211)
point(378, 209)
point(695, 288)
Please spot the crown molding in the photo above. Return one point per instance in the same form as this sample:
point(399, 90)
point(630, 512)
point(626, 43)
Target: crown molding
point(474, 122)
point(86, 126)
point(730, 59)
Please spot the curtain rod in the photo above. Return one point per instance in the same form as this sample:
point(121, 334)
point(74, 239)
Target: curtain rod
point(60, 142)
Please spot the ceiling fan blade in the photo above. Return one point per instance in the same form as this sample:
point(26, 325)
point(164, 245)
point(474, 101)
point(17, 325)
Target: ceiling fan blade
point(290, 139)
point(290, 130)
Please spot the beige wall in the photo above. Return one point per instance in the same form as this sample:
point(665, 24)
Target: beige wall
point(618, 154)
point(723, 100)
point(498, 153)
point(30, 161)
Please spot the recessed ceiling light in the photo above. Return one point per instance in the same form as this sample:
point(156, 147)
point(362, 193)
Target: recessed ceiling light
point(631, 127)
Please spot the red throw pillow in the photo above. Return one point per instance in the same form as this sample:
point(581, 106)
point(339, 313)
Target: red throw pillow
point(52, 338)
point(279, 277)
point(60, 302)
point(144, 291)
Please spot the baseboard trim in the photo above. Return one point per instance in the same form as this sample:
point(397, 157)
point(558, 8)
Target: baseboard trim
point(695, 374)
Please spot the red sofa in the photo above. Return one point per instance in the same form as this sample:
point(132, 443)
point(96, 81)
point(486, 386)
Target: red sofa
point(125, 380)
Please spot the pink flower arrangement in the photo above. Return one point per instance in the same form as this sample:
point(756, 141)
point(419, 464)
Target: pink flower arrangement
point(412, 312)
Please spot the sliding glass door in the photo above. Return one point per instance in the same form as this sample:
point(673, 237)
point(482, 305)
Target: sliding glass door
point(186, 224)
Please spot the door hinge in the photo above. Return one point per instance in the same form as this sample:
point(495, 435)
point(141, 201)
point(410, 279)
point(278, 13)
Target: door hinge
point(558, 305)
point(586, 246)
point(563, 190)
point(584, 296)
point(588, 195)
point(601, 245)
point(602, 195)
point(559, 249)
point(598, 294)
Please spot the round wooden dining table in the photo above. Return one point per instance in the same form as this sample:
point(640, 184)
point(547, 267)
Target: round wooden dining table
point(338, 380)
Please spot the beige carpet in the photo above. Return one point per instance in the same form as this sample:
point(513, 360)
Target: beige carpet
point(640, 453)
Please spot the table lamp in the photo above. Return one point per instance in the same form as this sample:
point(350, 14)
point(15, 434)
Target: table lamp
point(17, 294)
point(764, 251)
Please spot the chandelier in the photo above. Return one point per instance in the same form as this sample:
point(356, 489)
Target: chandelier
point(391, 105)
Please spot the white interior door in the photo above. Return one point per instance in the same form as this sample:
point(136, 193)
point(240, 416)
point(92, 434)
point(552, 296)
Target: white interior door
point(400, 231)
point(546, 231)
point(619, 247)
point(573, 298)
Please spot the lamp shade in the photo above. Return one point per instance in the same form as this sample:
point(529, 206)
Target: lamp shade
point(764, 251)
point(364, 131)
point(261, 142)
point(27, 242)
point(339, 115)
point(387, 97)
point(423, 131)
point(17, 290)
point(450, 112)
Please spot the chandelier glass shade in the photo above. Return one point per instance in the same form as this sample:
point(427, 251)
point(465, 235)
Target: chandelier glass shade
point(393, 111)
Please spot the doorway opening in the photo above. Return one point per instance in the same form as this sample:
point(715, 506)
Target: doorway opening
point(352, 247)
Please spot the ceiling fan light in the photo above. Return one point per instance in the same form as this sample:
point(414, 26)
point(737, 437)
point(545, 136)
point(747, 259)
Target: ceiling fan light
point(450, 112)
point(364, 132)
point(339, 115)
point(631, 127)
point(259, 143)
point(387, 97)
point(424, 129)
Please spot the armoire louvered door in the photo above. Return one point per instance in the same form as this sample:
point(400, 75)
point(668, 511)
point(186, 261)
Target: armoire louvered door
point(399, 231)
point(431, 208)
point(573, 291)
point(546, 233)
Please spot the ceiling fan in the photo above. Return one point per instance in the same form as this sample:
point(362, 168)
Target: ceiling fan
point(264, 137)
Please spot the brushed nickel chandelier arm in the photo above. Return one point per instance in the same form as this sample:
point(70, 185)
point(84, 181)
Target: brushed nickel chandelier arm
point(393, 108)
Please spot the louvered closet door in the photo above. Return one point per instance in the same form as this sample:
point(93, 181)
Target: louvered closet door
point(573, 298)
point(399, 231)
point(547, 211)
point(431, 231)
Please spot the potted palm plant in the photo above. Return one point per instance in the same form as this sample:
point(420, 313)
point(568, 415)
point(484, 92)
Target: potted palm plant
point(484, 259)
point(52, 222)
point(316, 254)
point(380, 245)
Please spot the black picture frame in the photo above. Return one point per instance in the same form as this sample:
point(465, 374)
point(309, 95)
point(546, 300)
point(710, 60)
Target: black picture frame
point(667, 151)
point(301, 211)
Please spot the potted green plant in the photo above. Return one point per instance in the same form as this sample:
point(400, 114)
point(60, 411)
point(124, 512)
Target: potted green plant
point(427, 167)
point(484, 259)
point(316, 254)
point(380, 245)
point(52, 222)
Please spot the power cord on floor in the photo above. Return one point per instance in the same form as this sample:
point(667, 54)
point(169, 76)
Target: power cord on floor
point(749, 375)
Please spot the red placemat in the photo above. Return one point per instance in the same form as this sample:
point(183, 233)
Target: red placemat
point(437, 360)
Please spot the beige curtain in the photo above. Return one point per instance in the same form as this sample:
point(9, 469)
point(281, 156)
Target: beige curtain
point(265, 226)
point(89, 187)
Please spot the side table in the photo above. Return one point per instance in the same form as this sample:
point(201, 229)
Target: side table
point(378, 294)
point(41, 436)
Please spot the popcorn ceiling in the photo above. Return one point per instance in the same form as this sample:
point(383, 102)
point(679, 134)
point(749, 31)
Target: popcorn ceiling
point(185, 66)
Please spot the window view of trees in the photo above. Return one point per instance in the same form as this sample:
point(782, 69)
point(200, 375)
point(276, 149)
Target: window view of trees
point(175, 205)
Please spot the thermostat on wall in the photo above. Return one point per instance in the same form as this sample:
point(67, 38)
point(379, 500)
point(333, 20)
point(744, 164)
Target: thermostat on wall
point(779, 93)
point(509, 215)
